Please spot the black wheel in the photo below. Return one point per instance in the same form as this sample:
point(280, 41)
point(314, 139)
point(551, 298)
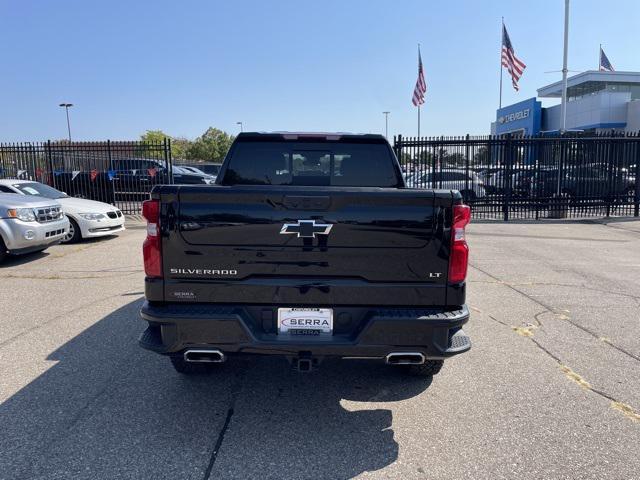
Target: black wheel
point(427, 369)
point(191, 368)
point(73, 235)
point(3, 251)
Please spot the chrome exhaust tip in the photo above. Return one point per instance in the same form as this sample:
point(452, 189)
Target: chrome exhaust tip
point(405, 358)
point(204, 356)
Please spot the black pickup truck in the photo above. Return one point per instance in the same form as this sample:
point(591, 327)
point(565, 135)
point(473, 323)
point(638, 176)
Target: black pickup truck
point(308, 246)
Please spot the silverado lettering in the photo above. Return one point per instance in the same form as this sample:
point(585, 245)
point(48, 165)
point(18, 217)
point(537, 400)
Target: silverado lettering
point(331, 244)
point(200, 271)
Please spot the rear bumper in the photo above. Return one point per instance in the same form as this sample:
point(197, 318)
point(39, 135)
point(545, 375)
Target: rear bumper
point(436, 333)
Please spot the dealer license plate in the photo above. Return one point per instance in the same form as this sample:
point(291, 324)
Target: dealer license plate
point(305, 321)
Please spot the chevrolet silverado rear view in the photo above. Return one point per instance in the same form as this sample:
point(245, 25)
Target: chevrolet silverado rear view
point(308, 246)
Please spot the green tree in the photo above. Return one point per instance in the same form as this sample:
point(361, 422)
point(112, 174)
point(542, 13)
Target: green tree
point(179, 145)
point(154, 136)
point(212, 145)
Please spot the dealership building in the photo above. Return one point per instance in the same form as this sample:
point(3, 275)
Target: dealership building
point(596, 102)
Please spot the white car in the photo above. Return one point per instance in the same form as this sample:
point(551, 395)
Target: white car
point(87, 218)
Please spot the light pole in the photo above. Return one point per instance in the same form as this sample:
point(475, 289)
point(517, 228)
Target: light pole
point(386, 124)
point(66, 107)
point(563, 107)
point(240, 123)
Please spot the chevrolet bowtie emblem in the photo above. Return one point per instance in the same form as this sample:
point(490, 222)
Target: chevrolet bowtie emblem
point(306, 228)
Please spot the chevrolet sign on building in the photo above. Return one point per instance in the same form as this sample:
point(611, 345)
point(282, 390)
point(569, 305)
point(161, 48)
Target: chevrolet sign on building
point(514, 116)
point(596, 102)
point(523, 118)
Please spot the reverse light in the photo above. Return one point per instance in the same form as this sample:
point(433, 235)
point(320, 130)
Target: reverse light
point(151, 248)
point(24, 214)
point(459, 258)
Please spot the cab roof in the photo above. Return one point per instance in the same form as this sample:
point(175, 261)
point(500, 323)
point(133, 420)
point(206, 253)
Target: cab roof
point(328, 136)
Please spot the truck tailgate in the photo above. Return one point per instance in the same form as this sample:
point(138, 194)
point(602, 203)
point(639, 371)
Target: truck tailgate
point(297, 243)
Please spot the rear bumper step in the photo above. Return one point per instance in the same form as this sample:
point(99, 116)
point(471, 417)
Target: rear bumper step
point(177, 328)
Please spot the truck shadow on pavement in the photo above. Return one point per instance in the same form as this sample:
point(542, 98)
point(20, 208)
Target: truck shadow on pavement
point(101, 407)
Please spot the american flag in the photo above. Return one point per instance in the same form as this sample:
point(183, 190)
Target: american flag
point(605, 64)
point(421, 85)
point(514, 66)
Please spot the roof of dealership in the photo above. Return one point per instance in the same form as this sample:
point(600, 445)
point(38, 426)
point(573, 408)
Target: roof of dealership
point(597, 80)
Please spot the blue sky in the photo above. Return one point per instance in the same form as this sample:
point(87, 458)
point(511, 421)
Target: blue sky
point(129, 66)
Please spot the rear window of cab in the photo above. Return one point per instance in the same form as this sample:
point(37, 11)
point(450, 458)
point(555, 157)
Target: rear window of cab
point(312, 164)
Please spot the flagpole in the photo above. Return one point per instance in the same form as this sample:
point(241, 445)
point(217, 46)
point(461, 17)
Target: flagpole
point(419, 60)
point(501, 41)
point(599, 57)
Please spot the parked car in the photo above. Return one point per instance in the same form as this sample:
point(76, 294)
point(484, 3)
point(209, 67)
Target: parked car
point(197, 171)
point(29, 224)
point(309, 246)
point(500, 181)
point(485, 173)
point(134, 171)
point(467, 183)
point(209, 168)
point(123, 179)
point(576, 182)
point(87, 218)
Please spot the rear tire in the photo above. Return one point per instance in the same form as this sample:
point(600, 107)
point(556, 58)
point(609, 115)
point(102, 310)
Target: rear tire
point(427, 369)
point(191, 368)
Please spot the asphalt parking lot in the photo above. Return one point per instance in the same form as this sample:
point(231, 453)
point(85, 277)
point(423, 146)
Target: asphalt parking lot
point(550, 389)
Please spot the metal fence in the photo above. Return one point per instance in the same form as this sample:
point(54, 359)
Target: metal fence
point(500, 177)
point(516, 177)
point(120, 173)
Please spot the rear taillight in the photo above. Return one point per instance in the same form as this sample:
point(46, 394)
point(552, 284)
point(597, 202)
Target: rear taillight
point(151, 248)
point(459, 249)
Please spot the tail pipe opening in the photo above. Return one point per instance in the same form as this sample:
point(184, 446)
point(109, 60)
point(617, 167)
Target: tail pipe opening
point(204, 356)
point(405, 358)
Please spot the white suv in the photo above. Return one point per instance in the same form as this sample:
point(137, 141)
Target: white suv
point(29, 224)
